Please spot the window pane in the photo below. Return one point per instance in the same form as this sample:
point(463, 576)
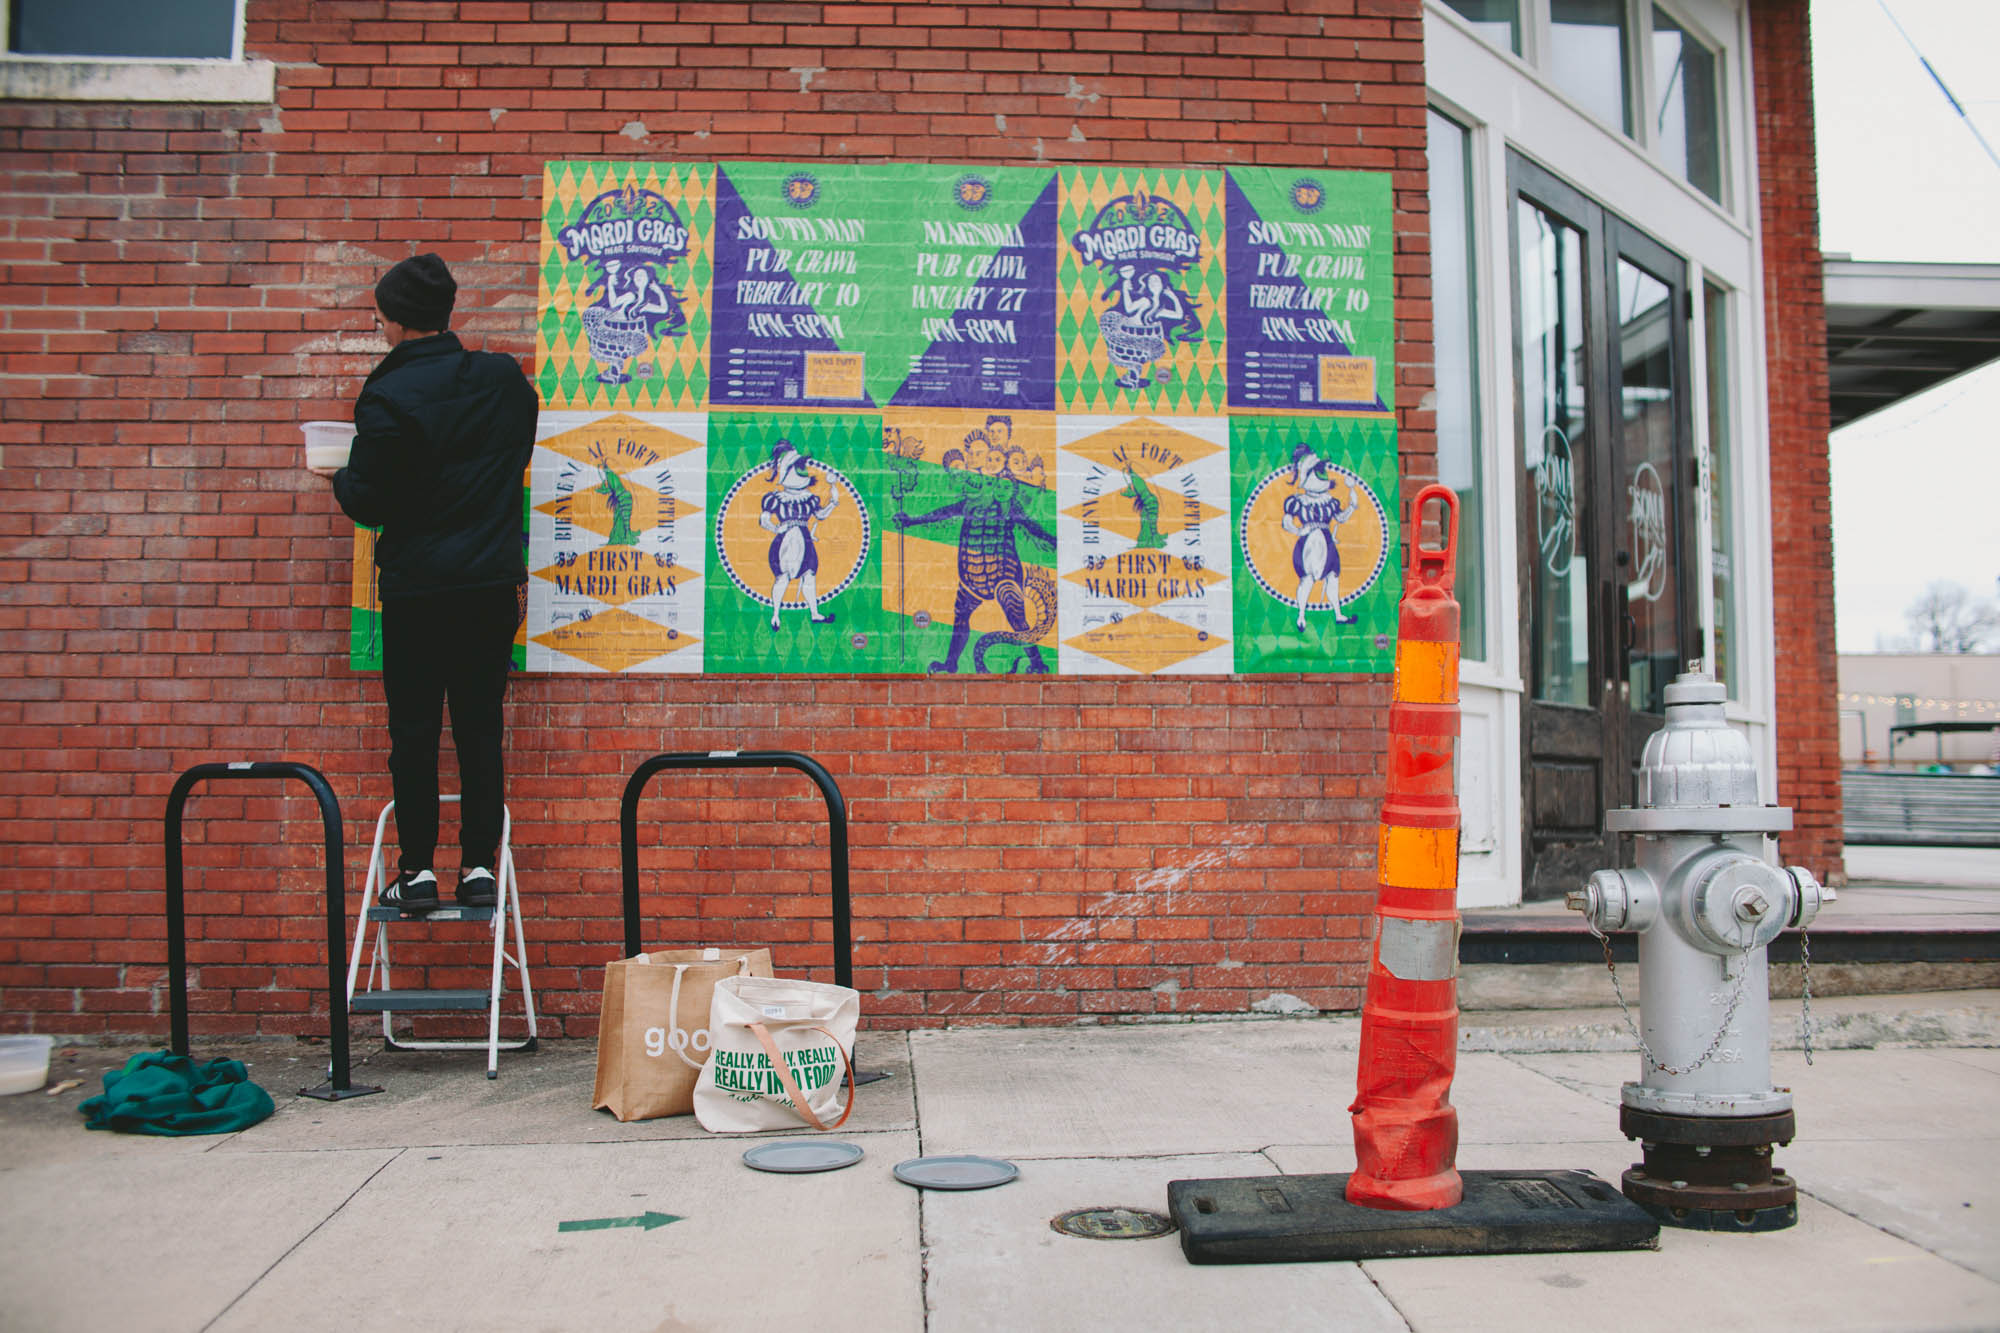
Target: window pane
point(148, 29)
point(1648, 549)
point(1452, 314)
point(1557, 451)
point(1587, 57)
point(1722, 499)
point(1686, 123)
point(1498, 21)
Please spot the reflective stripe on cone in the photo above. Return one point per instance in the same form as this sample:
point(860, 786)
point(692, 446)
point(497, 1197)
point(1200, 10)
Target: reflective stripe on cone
point(1405, 1128)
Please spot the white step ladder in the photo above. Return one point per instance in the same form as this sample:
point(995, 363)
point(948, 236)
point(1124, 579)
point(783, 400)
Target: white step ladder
point(384, 999)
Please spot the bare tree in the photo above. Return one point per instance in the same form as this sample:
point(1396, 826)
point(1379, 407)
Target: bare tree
point(1949, 619)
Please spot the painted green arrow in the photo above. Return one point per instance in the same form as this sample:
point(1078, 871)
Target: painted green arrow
point(649, 1221)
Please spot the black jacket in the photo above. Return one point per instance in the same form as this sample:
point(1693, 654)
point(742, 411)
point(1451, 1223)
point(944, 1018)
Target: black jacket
point(442, 437)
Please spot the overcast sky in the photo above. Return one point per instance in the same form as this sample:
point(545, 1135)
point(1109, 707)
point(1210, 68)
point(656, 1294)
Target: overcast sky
point(1901, 177)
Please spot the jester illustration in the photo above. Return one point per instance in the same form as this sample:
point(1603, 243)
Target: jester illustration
point(989, 471)
point(1311, 514)
point(790, 514)
point(1143, 242)
point(628, 237)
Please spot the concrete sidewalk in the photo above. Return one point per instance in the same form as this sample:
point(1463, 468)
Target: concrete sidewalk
point(438, 1204)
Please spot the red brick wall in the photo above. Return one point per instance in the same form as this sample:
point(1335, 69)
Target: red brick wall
point(185, 285)
point(1801, 503)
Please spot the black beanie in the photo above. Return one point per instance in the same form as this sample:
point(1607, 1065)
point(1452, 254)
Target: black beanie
point(418, 293)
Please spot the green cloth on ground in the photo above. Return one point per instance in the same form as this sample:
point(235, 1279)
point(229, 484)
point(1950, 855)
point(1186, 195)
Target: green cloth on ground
point(158, 1092)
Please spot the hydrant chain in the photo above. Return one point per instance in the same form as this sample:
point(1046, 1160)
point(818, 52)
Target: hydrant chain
point(1715, 1043)
point(1805, 992)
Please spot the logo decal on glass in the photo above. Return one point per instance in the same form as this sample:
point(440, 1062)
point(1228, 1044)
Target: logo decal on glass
point(1555, 493)
point(1648, 517)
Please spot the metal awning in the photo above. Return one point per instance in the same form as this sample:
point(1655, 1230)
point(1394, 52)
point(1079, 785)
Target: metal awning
point(1894, 330)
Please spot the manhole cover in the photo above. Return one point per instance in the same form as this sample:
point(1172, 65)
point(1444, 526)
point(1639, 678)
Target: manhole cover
point(1112, 1224)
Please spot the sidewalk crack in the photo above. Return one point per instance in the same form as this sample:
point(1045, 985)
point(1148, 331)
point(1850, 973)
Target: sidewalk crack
point(1889, 1229)
point(294, 1246)
point(1582, 1086)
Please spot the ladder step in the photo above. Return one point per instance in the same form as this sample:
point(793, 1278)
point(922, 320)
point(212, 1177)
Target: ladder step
point(451, 913)
point(418, 1001)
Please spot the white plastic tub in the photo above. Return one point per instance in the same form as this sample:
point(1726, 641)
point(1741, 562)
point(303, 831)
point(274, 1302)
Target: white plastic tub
point(327, 443)
point(24, 1062)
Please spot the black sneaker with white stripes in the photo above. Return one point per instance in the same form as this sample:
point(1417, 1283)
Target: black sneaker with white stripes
point(412, 891)
point(477, 887)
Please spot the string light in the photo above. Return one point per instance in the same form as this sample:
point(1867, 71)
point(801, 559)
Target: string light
point(1973, 706)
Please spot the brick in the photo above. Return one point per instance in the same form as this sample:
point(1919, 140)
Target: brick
point(184, 595)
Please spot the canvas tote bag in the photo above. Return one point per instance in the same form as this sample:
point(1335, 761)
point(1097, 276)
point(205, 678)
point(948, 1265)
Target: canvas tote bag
point(652, 1038)
point(782, 1050)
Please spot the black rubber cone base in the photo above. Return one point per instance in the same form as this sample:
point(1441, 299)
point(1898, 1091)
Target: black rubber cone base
point(1288, 1219)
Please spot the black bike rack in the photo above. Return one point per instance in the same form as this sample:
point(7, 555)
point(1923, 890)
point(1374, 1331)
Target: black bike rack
point(337, 1087)
point(836, 814)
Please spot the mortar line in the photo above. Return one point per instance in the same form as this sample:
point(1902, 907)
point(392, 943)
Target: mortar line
point(293, 1247)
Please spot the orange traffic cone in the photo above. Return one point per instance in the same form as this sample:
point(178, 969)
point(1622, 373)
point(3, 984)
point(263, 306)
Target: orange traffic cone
point(1405, 1130)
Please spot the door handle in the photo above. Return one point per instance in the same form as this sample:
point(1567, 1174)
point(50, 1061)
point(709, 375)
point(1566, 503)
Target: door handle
point(1624, 637)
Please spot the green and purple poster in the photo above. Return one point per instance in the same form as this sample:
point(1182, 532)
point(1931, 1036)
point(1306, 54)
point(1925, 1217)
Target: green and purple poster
point(918, 417)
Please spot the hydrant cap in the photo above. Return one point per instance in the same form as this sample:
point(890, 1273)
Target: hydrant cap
point(1697, 760)
point(1694, 687)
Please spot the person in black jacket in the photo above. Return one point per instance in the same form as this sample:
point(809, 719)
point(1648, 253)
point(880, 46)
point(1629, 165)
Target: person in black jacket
point(442, 436)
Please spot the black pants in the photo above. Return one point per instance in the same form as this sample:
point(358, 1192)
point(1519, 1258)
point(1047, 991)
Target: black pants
point(458, 647)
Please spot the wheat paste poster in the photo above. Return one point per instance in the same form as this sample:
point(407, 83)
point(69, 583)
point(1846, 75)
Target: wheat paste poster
point(616, 551)
point(1309, 317)
point(959, 419)
point(795, 563)
point(844, 286)
point(625, 283)
point(970, 566)
point(1145, 544)
point(1316, 537)
point(1140, 309)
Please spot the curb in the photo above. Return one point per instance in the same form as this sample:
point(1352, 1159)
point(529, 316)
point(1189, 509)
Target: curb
point(1944, 1026)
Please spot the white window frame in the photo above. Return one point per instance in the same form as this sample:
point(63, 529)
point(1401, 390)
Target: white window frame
point(1695, 31)
point(1488, 773)
point(106, 79)
point(1497, 658)
point(1700, 19)
point(1504, 102)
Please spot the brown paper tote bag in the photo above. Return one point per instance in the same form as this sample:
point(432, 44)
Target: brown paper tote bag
point(782, 1051)
point(653, 1036)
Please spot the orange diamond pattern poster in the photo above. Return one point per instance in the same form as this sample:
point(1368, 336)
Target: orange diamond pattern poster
point(616, 542)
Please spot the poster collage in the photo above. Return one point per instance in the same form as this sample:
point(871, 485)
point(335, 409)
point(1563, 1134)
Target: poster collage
point(923, 418)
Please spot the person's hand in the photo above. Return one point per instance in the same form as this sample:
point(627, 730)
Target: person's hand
point(327, 472)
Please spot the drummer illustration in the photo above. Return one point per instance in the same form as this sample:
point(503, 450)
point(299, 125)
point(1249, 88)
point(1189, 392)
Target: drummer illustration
point(790, 514)
point(628, 237)
point(1143, 243)
point(1312, 513)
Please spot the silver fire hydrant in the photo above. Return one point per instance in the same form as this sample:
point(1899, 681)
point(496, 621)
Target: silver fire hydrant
point(1707, 897)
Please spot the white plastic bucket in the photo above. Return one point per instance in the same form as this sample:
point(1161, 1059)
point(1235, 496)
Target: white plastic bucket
point(327, 443)
point(24, 1062)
